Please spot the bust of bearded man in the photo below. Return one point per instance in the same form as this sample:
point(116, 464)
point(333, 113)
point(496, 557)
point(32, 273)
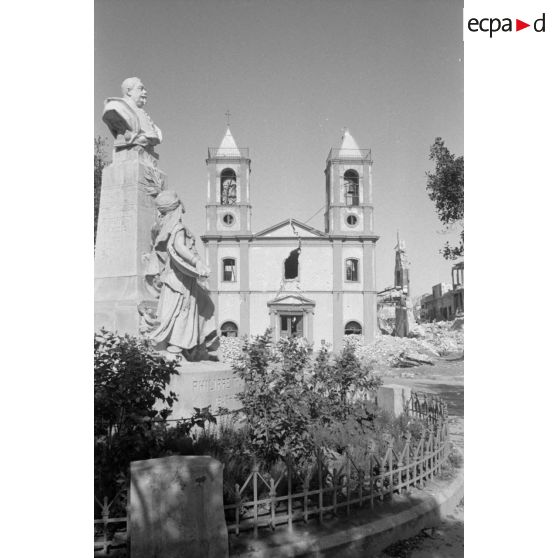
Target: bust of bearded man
point(127, 120)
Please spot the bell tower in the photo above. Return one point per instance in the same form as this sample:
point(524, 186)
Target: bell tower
point(348, 172)
point(228, 209)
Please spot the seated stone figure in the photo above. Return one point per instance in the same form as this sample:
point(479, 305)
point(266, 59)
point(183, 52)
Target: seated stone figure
point(185, 313)
point(127, 120)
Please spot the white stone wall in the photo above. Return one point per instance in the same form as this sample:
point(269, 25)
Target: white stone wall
point(323, 318)
point(229, 308)
point(352, 308)
point(259, 312)
point(315, 266)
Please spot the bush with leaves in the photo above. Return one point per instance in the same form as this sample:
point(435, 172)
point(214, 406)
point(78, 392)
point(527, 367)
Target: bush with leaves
point(273, 397)
point(131, 405)
point(294, 403)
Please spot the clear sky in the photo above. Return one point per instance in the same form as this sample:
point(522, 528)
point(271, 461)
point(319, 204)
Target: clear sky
point(293, 74)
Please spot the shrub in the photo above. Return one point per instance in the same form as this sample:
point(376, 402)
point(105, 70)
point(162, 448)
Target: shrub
point(131, 405)
point(295, 403)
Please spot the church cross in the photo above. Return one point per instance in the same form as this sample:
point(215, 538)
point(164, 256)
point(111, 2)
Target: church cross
point(228, 115)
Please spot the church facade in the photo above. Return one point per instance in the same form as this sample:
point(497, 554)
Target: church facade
point(291, 277)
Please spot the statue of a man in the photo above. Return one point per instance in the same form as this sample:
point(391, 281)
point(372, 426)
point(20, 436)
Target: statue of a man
point(185, 311)
point(127, 120)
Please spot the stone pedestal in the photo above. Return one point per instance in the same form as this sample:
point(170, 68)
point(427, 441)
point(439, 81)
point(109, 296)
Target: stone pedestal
point(126, 215)
point(200, 384)
point(393, 398)
point(176, 508)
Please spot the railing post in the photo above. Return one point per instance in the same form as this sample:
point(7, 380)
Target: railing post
point(348, 477)
point(237, 509)
point(320, 487)
point(371, 481)
point(255, 469)
point(105, 516)
point(306, 489)
point(289, 491)
point(390, 464)
point(335, 492)
point(360, 486)
point(272, 494)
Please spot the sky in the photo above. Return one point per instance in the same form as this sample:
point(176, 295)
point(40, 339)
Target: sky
point(293, 74)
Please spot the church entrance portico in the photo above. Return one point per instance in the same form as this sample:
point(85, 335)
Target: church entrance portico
point(291, 315)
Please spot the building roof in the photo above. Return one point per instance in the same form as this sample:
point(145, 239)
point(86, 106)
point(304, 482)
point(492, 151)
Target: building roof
point(348, 142)
point(228, 147)
point(287, 228)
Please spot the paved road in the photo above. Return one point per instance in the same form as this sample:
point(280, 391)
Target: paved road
point(444, 378)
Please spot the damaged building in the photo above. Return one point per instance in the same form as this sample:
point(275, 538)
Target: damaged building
point(395, 312)
point(446, 301)
point(291, 277)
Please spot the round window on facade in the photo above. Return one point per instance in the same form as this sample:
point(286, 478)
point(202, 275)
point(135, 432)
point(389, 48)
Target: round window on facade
point(228, 219)
point(353, 328)
point(351, 220)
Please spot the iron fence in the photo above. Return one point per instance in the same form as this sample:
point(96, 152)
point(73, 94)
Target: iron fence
point(331, 486)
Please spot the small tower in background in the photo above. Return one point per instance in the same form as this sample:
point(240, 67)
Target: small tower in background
point(401, 273)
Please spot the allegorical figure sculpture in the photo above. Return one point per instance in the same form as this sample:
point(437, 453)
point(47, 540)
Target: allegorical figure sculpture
point(185, 311)
point(127, 120)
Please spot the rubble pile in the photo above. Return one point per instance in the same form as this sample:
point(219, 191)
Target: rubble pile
point(230, 349)
point(425, 343)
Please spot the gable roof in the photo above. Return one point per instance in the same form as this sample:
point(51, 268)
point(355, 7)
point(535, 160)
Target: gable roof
point(291, 299)
point(285, 229)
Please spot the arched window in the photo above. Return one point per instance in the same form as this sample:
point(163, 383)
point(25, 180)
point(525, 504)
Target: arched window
point(353, 328)
point(351, 187)
point(228, 187)
point(229, 329)
point(229, 270)
point(351, 269)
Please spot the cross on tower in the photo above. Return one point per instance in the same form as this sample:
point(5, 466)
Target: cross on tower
point(228, 115)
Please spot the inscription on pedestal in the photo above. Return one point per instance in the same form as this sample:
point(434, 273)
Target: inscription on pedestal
point(204, 384)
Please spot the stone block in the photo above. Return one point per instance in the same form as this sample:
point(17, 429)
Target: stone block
point(393, 398)
point(176, 508)
point(126, 215)
point(200, 384)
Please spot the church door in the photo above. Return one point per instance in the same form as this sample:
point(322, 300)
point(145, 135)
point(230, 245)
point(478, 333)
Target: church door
point(291, 325)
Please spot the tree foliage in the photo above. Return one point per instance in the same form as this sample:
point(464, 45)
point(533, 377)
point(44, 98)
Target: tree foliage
point(100, 162)
point(131, 403)
point(445, 187)
point(295, 403)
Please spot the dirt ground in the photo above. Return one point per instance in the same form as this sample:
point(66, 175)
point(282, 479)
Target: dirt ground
point(444, 541)
point(445, 378)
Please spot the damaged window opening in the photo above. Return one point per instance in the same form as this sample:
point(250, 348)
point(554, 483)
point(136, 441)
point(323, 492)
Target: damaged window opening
point(291, 265)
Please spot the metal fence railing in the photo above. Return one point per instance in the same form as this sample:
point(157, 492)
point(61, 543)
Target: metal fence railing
point(325, 485)
point(333, 486)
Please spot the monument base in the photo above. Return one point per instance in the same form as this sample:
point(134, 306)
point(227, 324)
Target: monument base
point(201, 384)
point(126, 215)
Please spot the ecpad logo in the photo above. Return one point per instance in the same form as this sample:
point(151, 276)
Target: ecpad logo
point(494, 24)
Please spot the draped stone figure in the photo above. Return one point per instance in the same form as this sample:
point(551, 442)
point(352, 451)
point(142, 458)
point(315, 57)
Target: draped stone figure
point(185, 313)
